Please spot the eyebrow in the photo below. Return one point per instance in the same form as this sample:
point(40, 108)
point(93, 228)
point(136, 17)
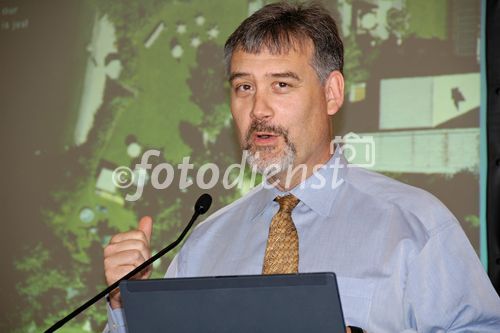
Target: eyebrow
point(288, 74)
point(237, 75)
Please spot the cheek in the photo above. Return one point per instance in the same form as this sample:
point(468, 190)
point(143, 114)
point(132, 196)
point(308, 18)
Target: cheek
point(307, 125)
point(242, 124)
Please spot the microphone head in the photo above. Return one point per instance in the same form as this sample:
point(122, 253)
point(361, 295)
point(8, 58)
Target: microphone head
point(203, 203)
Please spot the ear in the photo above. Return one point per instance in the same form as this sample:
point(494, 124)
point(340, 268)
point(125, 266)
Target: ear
point(334, 92)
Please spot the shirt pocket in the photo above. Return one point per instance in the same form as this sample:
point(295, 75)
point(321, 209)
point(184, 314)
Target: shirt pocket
point(356, 298)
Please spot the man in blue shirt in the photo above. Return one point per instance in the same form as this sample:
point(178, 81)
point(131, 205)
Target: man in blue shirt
point(402, 261)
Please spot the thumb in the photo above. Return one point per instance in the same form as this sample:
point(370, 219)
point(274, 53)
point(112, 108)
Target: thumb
point(146, 226)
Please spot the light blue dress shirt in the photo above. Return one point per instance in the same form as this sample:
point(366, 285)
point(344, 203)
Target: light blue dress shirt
point(402, 261)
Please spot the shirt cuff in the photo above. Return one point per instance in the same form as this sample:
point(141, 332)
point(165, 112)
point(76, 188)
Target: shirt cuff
point(116, 323)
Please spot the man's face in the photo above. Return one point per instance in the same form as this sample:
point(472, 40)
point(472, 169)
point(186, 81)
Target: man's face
point(280, 108)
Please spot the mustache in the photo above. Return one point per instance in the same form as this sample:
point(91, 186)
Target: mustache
point(258, 126)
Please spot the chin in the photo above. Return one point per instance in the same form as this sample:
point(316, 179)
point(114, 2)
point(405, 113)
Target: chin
point(266, 161)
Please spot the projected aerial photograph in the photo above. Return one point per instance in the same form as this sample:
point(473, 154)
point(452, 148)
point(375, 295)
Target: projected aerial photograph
point(89, 86)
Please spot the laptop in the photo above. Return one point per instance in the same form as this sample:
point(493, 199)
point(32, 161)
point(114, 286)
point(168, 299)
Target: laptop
point(307, 302)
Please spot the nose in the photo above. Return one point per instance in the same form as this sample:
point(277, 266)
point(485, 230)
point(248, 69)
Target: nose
point(261, 109)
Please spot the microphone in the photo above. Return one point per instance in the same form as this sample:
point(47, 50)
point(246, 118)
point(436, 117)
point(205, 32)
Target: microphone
point(201, 207)
point(203, 203)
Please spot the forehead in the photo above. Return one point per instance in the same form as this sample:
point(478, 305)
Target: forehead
point(298, 58)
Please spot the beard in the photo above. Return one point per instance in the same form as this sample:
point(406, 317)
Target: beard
point(268, 159)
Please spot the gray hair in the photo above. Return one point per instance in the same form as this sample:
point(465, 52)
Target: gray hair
point(281, 27)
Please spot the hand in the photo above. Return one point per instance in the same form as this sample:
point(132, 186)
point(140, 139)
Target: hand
point(125, 252)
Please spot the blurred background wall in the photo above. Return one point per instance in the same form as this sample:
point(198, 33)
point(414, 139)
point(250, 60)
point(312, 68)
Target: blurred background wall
point(87, 86)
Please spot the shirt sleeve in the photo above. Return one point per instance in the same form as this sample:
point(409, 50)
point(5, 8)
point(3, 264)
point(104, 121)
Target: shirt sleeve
point(173, 268)
point(447, 289)
point(116, 321)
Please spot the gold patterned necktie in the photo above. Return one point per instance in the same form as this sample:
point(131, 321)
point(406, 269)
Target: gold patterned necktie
point(282, 251)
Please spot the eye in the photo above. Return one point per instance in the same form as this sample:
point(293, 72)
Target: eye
point(244, 87)
point(281, 87)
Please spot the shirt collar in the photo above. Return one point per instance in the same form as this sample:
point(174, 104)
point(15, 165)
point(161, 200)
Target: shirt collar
point(263, 197)
point(319, 191)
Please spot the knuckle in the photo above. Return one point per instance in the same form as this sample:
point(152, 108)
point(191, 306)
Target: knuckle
point(136, 233)
point(142, 235)
point(137, 255)
point(108, 263)
point(108, 250)
point(144, 247)
point(114, 239)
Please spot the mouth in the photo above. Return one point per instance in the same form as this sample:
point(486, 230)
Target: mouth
point(265, 138)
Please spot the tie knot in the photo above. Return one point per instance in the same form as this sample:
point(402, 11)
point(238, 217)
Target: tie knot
point(287, 202)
